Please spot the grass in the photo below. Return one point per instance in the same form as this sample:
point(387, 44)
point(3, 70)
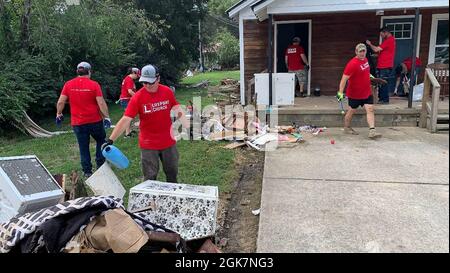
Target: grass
point(201, 162)
point(213, 77)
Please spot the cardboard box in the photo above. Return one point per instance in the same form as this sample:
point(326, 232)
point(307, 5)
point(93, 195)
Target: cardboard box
point(189, 210)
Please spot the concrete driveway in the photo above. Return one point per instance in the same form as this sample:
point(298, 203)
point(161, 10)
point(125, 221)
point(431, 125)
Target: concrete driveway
point(358, 195)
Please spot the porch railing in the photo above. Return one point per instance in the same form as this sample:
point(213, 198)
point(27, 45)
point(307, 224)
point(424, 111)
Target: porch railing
point(429, 113)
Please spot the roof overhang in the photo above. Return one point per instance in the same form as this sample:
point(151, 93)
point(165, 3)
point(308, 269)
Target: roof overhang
point(261, 8)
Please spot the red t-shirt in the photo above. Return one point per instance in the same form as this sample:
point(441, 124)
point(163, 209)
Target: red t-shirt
point(293, 53)
point(127, 83)
point(82, 93)
point(154, 115)
point(408, 63)
point(386, 57)
point(359, 82)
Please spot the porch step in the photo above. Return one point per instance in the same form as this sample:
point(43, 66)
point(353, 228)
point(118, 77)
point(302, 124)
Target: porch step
point(443, 127)
point(441, 117)
point(333, 118)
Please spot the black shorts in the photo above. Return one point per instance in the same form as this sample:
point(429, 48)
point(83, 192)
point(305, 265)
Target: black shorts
point(354, 104)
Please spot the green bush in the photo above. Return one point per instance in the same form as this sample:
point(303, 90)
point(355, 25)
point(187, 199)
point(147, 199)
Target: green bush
point(26, 85)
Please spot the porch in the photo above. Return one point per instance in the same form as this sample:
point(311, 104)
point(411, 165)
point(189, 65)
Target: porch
point(325, 111)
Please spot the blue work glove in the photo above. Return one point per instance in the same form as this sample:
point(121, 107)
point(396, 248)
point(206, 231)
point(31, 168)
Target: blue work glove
point(340, 96)
point(59, 120)
point(106, 144)
point(107, 123)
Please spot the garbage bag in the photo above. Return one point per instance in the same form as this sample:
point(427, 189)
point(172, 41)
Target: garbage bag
point(418, 92)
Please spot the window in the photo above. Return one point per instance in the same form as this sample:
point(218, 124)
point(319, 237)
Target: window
point(401, 31)
point(441, 48)
point(439, 41)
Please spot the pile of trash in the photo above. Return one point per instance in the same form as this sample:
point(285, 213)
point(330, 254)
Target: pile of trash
point(97, 224)
point(59, 217)
point(248, 131)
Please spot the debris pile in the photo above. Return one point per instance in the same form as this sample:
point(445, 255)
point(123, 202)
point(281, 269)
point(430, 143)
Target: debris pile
point(161, 217)
point(265, 135)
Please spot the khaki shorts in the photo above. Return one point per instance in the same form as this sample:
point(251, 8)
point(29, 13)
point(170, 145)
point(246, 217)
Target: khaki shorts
point(302, 75)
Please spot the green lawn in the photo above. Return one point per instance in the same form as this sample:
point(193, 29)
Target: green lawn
point(213, 77)
point(201, 162)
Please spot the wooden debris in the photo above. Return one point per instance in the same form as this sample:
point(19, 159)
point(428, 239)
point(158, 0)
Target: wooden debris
point(235, 145)
point(163, 237)
point(209, 247)
point(229, 82)
point(202, 84)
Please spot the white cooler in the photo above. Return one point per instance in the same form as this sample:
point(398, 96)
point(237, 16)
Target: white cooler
point(189, 210)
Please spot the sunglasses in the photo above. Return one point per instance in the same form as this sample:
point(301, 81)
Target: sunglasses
point(147, 83)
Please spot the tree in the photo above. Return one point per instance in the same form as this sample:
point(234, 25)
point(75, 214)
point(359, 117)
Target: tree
point(179, 19)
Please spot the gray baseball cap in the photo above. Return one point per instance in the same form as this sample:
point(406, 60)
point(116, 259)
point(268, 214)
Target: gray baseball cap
point(149, 73)
point(84, 65)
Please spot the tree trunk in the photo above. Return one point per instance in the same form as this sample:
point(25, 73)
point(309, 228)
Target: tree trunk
point(5, 23)
point(25, 26)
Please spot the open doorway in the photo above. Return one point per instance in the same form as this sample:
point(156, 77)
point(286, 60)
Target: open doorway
point(285, 31)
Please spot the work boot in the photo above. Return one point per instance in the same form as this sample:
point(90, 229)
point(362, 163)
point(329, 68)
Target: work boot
point(350, 131)
point(373, 134)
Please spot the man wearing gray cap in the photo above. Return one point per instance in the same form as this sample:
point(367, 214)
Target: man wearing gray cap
point(356, 81)
point(153, 103)
point(89, 114)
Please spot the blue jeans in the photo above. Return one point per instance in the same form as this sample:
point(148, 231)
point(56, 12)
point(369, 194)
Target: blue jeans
point(383, 91)
point(83, 134)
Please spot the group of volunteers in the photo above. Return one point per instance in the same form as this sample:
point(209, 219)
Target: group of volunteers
point(356, 77)
point(153, 104)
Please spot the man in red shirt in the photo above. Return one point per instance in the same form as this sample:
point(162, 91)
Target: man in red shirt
point(297, 63)
point(359, 92)
point(89, 114)
point(403, 72)
point(128, 90)
point(153, 103)
point(385, 63)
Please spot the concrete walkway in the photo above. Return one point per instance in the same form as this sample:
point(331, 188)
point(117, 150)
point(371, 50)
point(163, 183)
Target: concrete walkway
point(358, 195)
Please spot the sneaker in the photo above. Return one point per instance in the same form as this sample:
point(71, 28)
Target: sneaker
point(128, 135)
point(383, 102)
point(350, 131)
point(87, 175)
point(373, 134)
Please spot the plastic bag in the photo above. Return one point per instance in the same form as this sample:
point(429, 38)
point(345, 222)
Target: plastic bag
point(418, 92)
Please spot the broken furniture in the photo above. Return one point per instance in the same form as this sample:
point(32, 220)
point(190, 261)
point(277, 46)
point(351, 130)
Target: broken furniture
point(25, 186)
point(189, 210)
point(104, 182)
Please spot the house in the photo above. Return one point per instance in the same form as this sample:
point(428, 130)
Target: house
point(330, 29)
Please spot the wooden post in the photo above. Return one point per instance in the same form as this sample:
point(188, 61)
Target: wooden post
point(425, 99)
point(434, 108)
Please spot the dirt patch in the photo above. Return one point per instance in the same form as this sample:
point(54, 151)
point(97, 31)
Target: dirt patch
point(239, 227)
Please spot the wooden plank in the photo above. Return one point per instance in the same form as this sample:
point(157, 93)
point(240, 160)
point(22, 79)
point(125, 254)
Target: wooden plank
point(434, 107)
point(426, 96)
point(234, 145)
